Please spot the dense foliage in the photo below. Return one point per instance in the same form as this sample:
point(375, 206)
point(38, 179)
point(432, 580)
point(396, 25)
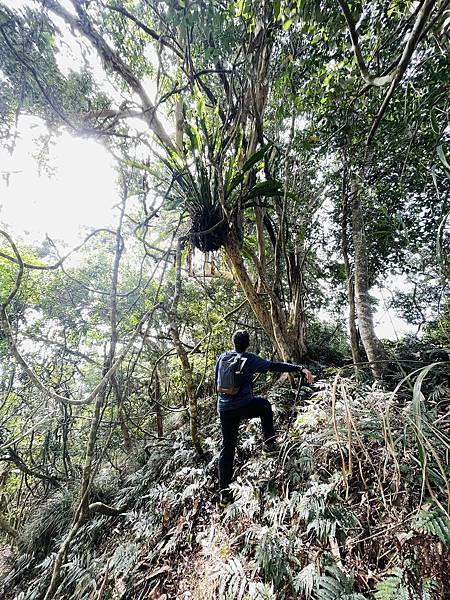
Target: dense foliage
point(276, 163)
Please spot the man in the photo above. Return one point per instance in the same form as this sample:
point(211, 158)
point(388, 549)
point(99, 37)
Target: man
point(240, 404)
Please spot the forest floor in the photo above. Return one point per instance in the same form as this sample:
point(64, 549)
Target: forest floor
point(351, 508)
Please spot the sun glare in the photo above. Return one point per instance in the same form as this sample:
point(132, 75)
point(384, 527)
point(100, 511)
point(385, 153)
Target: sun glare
point(74, 188)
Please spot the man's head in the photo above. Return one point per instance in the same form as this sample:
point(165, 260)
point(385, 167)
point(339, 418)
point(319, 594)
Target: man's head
point(241, 340)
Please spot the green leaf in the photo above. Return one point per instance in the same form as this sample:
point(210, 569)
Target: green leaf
point(392, 588)
point(277, 9)
point(271, 187)
point(255, 158)
point(234, 183)
point(435, 523)
point(417, 393)
point(441, 154)
point(434, 122)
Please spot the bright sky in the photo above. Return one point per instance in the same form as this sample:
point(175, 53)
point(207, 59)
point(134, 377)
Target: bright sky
point(387, 324)
point(79, 193)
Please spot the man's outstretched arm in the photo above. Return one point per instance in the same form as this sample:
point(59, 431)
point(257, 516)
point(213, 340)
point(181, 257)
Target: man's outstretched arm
point(281, 367)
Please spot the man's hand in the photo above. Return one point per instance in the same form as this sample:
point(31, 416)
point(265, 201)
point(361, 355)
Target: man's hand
point(307, 375)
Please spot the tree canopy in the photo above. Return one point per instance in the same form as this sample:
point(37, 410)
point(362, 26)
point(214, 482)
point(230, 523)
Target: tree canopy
point(277, 163)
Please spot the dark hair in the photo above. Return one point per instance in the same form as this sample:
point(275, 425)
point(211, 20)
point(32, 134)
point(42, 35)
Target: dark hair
point(241, 340)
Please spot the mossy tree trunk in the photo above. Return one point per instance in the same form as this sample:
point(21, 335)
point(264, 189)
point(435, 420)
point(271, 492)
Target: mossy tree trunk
point(269, 314)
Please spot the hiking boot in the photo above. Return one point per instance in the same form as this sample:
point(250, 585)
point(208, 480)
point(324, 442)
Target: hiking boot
point(225, 498)
point(271, 448)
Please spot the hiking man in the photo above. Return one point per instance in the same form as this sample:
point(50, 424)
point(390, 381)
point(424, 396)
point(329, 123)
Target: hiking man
point(233, 379)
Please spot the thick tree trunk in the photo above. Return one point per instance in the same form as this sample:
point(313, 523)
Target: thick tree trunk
point(273, 321)
point(259, 216)
point(271, 314)
point(297, 321)
point(354, 335)
point(363, 303)
point(234, 255)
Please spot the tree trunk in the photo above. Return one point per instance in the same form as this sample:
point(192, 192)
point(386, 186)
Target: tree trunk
point(159, 415)
point(183, 355)
point(189, 386)
point(273, 322)
point(297, 321)
point(354, 335)
point(127, 441)
point(82, 511)
point(363, 303)
point(7, 527)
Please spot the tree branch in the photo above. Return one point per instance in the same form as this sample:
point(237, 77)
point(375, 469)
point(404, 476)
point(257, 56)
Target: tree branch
point(59, 262)
point(104, 509)
point(110, 58)
point(15, 458)
point(398, 73)
point(151, 32)
point(398, 66)
point(376, 81)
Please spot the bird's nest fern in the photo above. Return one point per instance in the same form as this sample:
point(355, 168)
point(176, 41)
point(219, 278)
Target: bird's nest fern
point(214, 205)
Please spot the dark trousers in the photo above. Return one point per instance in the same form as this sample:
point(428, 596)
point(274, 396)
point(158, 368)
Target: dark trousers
point(229, 421)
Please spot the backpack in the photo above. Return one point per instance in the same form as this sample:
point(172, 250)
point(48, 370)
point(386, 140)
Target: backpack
point(229, 374)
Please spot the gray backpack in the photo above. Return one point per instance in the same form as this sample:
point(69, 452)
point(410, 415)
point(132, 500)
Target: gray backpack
point(229, 373)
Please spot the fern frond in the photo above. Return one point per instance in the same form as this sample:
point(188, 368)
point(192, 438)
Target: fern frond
point(306, 580)
point(46, 524)
point(124, 557)
point(337, 585)
point(261, 591)
point(392, 588)
point(434, 522)
point(234, 582)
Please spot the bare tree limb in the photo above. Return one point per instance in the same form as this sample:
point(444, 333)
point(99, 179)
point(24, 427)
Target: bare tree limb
point(161, 39)
point(398, 73)
point(111, 59)
point(19, 276)
point(104, 509)
point(376, 81)
point(16, 459)
point(398, 66)
point(59, 262)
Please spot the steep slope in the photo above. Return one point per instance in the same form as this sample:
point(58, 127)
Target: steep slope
point(353, 507)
